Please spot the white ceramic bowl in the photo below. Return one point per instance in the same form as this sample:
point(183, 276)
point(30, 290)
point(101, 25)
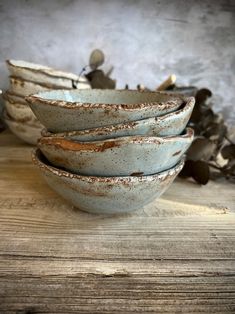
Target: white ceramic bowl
point(29, 133)
point(43, 74)
point(24, 88)
point(18, 109)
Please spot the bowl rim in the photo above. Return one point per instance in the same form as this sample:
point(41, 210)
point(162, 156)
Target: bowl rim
point(102, 145)
point(48, 71)
point(46, 167)
point(188, 106)
point(172, 103)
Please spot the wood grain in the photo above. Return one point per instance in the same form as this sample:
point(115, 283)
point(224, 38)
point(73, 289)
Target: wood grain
point(176, 255)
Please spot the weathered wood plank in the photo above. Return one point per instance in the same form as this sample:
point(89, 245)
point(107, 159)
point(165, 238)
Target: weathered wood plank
point(176, 255)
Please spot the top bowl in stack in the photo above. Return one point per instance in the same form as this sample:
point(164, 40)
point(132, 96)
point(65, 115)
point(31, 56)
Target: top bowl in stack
point(64, 110)
point(116, 150)
point(28, 78)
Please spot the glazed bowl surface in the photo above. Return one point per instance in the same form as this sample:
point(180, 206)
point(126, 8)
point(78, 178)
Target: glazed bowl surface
point(109, 195)
point(170, 124)
point(123, 156)
point(69, 110)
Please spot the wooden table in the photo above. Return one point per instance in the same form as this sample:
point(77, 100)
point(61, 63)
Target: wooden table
point(176, 255)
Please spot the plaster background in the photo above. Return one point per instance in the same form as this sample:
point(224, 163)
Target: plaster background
point(144, 40)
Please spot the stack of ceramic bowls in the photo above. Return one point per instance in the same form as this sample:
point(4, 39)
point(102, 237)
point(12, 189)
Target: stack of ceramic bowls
point(29, 78)
point(111, 151)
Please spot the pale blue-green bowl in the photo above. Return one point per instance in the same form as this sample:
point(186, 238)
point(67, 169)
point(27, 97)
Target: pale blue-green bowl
point(108, 195)
point(122, 156)
point(69, 110)
point(170, 124)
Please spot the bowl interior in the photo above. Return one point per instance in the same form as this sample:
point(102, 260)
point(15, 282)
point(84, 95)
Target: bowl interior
point(110, 96)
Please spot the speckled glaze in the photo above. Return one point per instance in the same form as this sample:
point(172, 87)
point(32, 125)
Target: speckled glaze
point(39, 73)
point(27, 132)
point(18, 109)
point(107, 195)
point(168, 125)
point(123, 156)
point(63, 110)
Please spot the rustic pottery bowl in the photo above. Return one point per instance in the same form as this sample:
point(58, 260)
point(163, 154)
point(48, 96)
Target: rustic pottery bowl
point(106, 194)
point(64, 110)
point(24, 88)
point(28, 132)
point(123, 156)
point(170, 124)
point(18, 109)
point(39, 73)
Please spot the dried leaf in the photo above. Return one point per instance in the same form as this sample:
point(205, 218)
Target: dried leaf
point(201, 149)
point(207, 117)
point(202, 95)
point(186, 172)
point(99, 80)
point(201, 172)
point(96, 59)
point(216, 131)
point(228, 152)
point(230, 136)
point(196, 114)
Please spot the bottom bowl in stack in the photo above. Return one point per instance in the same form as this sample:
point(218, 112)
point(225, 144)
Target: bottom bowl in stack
point(107, 195)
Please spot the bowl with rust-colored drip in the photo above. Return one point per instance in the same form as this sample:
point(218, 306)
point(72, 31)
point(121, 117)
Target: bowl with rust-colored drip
point(122, 156)
point(69, 110)
point(109, 195)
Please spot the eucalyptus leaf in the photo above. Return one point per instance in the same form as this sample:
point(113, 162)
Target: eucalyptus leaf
point(202, 96)
point(201, 172)
point(96, 59)
point(99, 80)
point(186, 172)
point(228, 152)
point(201, 149)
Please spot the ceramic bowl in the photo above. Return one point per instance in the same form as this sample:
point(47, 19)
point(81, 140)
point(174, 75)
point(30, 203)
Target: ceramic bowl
point(39, 73)
point(24, 88)
point(18, 109)
point(170, 124)
point(123, 156)
point(27, 132)
point(64, 110)
point(108, 195)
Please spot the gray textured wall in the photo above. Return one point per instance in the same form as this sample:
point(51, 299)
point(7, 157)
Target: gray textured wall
point(144, 40)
